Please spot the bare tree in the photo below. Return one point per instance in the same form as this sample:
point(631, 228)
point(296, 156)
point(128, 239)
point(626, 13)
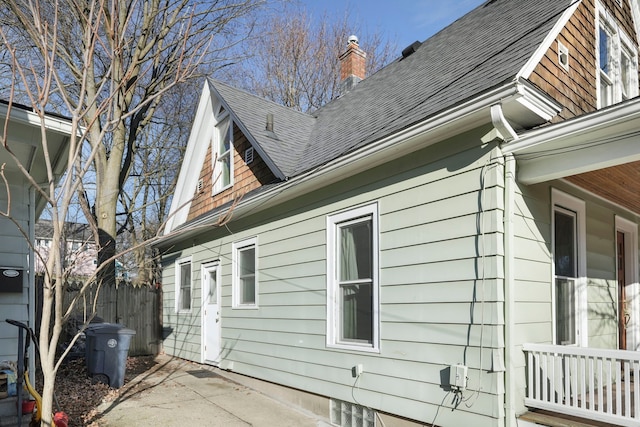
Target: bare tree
point(145, 203)
point(295, 60)
point(106, 64)
point(114, 60)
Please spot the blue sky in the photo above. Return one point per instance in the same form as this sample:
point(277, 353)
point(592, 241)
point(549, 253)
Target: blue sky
point(402, 21)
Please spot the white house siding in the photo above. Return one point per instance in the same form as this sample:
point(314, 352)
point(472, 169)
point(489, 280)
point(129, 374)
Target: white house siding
point(13, 253)
point(434, 248)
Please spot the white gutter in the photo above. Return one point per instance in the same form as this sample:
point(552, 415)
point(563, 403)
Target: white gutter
point(501, 124)
point(583, 125)
point(597, 140)
point(20, 115)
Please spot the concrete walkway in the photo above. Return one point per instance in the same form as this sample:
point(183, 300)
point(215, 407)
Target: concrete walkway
point(180, 393)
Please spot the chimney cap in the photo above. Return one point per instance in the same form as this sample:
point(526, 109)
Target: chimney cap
point(352, 39)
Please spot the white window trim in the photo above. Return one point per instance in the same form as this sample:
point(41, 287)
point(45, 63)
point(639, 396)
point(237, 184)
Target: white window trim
point(333, 305)
point(620, 41)
point(563, 56)
point(222, 119)
point(238, 246)
point(572, 203)
point(178, 293)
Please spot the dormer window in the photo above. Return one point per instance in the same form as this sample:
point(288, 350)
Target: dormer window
point(222, 145)
point(617, 77)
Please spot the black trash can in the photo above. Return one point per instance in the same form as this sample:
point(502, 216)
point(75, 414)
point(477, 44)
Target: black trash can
point(107, 346)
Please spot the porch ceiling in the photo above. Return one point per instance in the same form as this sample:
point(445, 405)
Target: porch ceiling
point(619, 184)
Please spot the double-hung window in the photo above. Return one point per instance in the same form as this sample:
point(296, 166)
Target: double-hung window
point(222, 148)
point(245, 283)
point(352, 279)
point(569, 268)
point(183, 284)
point(617, 76)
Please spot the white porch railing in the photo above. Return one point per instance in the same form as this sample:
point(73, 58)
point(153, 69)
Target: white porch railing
point(586, 382)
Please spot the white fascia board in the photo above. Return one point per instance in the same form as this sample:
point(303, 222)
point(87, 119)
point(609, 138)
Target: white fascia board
point(245, 131)
point(447, 124)
point(602, 139)
point(30, 118)
point(536, 101)
point(533, 61)
point(193, 161)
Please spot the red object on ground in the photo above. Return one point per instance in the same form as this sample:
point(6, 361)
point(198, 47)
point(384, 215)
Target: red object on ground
point(60, 419)
point(28, 406)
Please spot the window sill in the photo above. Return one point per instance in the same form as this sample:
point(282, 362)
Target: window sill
point(353, 348)
point(221, 190)
point(245, 307)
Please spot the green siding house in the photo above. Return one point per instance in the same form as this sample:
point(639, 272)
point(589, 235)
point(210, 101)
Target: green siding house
point(21, 205)
point(452, 241)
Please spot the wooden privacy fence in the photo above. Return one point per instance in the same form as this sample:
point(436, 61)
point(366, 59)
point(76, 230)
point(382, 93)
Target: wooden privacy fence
point(137, 308)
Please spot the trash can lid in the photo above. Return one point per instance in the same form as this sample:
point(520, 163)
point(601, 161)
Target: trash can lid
point(109, 329)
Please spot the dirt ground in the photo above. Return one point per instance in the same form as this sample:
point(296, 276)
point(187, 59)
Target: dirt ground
point(78, 397)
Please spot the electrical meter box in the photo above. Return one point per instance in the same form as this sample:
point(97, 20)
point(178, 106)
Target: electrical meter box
point(458, 377)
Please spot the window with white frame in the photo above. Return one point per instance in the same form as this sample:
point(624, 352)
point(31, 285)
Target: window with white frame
point(569, 251)
point(245, 283)
point(352, 279)
point(617, 76)
point(222, 150)
point(183, 284)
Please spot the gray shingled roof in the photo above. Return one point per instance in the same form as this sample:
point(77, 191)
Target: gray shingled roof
point(291, 128)
point(484, 49)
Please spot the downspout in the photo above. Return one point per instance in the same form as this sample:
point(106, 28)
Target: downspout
point(508, 134)
point(509, 309)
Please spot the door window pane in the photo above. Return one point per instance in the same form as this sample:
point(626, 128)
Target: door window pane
point(213, 288)
point(565, 244)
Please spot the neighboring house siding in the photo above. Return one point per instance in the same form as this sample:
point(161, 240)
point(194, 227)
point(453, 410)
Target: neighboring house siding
point(247, 177)
point(13, 250)
point(440, 279)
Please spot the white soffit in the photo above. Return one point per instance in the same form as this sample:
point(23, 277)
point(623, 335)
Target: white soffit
point(606, 138)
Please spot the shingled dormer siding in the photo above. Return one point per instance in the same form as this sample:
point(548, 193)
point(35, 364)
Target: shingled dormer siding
point(247, 177)
point(576, 88)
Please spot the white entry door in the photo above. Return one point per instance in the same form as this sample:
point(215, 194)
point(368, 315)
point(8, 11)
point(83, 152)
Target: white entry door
point(211, 323)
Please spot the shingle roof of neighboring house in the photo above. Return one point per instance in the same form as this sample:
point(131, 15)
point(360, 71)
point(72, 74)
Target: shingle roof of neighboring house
point(72, 230)
point(482, 50)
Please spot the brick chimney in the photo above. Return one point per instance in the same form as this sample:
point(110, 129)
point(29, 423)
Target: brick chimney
point(352, 65)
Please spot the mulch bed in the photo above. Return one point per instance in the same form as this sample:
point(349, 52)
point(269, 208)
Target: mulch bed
point(78, 396)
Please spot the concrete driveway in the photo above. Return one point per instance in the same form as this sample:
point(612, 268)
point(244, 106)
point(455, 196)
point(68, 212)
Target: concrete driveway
point(180, 393)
